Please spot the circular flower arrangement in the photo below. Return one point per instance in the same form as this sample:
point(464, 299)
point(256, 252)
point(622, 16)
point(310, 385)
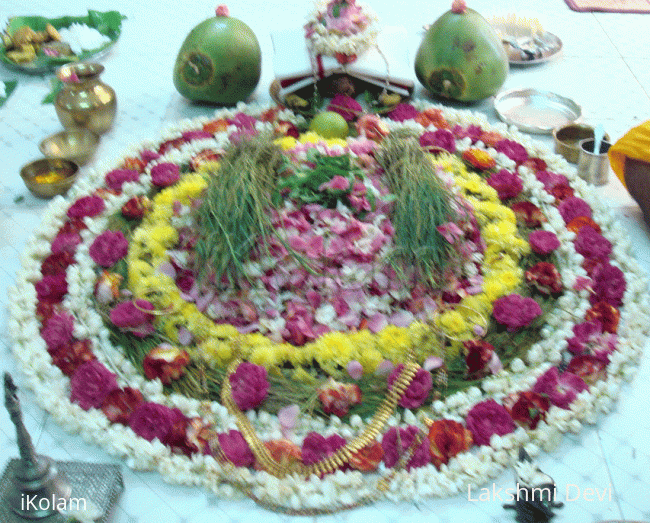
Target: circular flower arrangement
point(316, 323)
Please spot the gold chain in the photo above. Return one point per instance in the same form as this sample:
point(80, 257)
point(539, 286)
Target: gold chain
point(343, 455)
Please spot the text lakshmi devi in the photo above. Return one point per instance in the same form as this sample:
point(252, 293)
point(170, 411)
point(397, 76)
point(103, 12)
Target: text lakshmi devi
point(542, 493)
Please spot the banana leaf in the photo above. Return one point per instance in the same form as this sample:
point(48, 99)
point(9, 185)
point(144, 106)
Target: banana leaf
point(108, 23)
point(10, 85)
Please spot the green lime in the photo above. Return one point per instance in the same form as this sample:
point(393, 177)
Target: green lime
point(329, 125)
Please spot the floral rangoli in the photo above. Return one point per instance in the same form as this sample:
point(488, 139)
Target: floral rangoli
point(316, 324)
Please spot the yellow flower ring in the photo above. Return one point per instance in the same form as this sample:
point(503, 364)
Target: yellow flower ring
point(220, 344)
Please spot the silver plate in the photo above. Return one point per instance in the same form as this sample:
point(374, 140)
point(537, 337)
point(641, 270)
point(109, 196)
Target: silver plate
point(536, 111)
point(541, 48)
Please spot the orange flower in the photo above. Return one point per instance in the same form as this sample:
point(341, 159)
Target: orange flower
point(203, 157)
point(578, 223)
point(134, 164)
point(136, 207)
point(215, 126)
point(432, 116)
point(446, 439)
point(367, 458)
point(606, 314)
point(372, 127)
point(490, 138)
point(107, 288)
point(337, 398)
point(165, 362)
point(284, 451)
point(479, 158)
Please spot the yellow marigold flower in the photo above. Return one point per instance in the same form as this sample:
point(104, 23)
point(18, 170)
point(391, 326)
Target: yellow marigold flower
point(370, 360)
point(309, 137)
point(479, 303)
point(493, 289)
point(286, 143)
point(217, 350)
point(453, 323)
point(339, 347)
point(209, 168)
point(394, 342)
point(139, 269)
point(511, 279)
point(264, 355)
point(499, 230)
point(190, 186)
point(331, 142)
point(496, 260)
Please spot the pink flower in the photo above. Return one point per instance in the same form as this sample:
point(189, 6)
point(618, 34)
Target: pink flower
point(58, 331)
point(243, 121)
point(165, 174)
point(249, 385)
point(153, 421)
point(418, 390)
point(86, 206)
point(315, 447)
point(487, 418)
point(591, 244)
point(402, 112)
point(52, 288)
point(118, 177)
point(573, 207)
point(196, 135)
point(395, 446)
point(108, 248)
point(66, 242)
point(506, 184)
point(346, 106)
point(337, 183)
point(543, 242)
point(450, 231)
point(355, 370)
point(608, 285)
point(561, 389)
point(90, 384)
point(438, 139)
point(513, 150)
point(236, 449)
point(287, 417)
point(131, 317)
point(514, 311)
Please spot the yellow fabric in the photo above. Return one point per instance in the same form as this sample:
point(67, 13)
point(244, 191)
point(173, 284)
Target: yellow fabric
point(633, 144)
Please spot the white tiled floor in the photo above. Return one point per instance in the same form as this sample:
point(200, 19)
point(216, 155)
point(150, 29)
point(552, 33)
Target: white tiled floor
point(604, 66)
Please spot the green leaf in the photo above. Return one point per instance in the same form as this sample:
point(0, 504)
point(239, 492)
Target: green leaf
point(57, 85)
point(10, 86)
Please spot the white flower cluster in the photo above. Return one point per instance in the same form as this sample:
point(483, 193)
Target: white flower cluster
point(470, 468)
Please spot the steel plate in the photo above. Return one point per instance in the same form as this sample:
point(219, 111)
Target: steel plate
point(536, 111)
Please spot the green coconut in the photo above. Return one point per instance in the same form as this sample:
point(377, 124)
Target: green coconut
point(461, 56)
point(219, 62)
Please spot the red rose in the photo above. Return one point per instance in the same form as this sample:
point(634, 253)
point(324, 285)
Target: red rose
point(447, 438)
point(136, 207)
point(479, 355)
point(588, 367)
point(607, 315)
point(337, 398)
point(119, 404)
point(165, 362)
point(90, 384)
point(284, 451)
point(545, 277)
point(367, 458)
point(58, 331)
point(528, 213)
point(69, 357)
point(527, 408)
point(52, 288)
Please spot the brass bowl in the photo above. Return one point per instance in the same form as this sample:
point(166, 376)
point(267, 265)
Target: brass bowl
point(49, 177)
point(569, 136)
point(77, 145)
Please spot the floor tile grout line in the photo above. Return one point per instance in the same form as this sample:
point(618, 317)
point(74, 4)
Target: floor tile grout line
point(609, 474)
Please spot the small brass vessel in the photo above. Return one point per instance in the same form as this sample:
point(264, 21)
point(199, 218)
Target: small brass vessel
point(568, 137)
point(85, 101)
point(49, 177)
point(77, 145)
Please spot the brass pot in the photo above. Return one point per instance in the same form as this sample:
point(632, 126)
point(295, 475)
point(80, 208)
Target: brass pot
point(85, 101)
